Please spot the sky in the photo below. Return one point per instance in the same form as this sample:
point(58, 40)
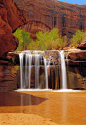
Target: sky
point(79, 2)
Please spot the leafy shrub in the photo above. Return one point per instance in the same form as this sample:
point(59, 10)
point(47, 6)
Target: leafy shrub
point(45, 40)
point(48, 41)
point(77, 38)
point(24, 39)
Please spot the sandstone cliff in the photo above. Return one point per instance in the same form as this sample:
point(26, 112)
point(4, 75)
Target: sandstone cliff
point(39, 15)
point(10, 18)
point(48, 14)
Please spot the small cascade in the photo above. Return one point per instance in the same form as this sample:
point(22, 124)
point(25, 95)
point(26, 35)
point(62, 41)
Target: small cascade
point(63, 70)
point(26, 58)
point(36, 60)
point(28, 63)
point(21, 70)
point(67, 59)
point(47, 65)
point(25, 71)
point(37, 66)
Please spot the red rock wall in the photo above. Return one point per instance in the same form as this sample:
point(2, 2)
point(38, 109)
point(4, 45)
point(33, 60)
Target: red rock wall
point(40, 15)
point(8, 78)
point(66, 17)
point(10, 19)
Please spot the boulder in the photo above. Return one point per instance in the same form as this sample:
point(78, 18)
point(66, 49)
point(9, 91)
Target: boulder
point(82, 45)
point(77, 55)
point(76, 77)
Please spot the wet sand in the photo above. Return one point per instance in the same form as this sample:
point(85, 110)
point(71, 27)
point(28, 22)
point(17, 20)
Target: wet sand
point(38, 107)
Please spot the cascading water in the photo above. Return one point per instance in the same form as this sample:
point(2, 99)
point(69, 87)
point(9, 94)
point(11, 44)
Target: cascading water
point(63, 70)
point(37, 66)
point(25, 68)
point(38, 63)
point(47, 65)
point(25, 77)
point(28, 67)
point(21, 70)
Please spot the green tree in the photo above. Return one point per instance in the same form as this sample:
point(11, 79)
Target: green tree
point(18, 35)
point(48, 41)
point(77, 38)
point(24, 39)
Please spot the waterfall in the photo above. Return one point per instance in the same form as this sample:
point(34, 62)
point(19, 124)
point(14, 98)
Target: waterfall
point(36, 70)
point(63, 70)
point(46, 65)
point(37, 66)
point(25, 68)
point(21, 70)
point(39, 59)
point(28, 62)
point(25, 76)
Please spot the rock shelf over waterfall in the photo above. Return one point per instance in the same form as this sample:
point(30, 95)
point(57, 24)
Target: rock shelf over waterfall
point(43, 70)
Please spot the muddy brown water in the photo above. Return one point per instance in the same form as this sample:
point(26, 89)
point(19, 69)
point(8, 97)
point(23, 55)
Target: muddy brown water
point(68, 108)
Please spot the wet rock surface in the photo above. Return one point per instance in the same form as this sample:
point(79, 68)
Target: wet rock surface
point(76, 69)
point(76, 77)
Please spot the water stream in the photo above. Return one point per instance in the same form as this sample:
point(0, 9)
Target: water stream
point(26, 64)
point(63, 70)
point(25, 73)
point(21, 70)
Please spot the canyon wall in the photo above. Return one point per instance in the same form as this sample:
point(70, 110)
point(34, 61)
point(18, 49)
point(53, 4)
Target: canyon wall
point(10, 18)
point(37, 15)
point(49, 14)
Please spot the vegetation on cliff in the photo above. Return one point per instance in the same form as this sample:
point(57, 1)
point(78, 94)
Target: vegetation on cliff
point(47, 40)
point(77, 38)
point(24, 39)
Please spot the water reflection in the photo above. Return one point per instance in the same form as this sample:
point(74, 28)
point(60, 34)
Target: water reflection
point(19, 99)
point(62, 108)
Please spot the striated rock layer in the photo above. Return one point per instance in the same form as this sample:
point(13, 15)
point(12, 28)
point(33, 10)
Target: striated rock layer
point(8, 78)
point(49, 14)
point(10, 18)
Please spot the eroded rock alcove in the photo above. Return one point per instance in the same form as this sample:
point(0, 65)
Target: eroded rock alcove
point(11, 17)
point(53, 14)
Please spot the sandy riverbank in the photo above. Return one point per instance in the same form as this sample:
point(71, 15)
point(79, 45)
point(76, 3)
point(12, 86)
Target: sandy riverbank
point(24, 119)
point(43, 108)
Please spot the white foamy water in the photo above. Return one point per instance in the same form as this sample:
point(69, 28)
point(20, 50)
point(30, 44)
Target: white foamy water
point(37, 66)
point(21, 70)
point(46, 65)
point(25, 68)
point(28, 63)
point(63, 70)
point(50, 90)
point(67, 90)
